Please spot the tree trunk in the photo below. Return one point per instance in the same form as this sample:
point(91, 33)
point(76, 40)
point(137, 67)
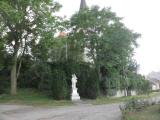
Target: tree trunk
point(14, 76)
point(125, 91)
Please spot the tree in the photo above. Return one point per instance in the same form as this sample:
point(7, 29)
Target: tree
point(23, 22)
point(109, 42)
point(1, 56)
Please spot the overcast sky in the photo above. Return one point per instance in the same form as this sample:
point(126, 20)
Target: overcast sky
point(142, 16)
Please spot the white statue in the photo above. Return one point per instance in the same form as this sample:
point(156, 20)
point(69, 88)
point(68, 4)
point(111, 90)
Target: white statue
point(75, 96)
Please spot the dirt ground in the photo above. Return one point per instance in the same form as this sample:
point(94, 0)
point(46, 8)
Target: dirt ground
point(77, 112)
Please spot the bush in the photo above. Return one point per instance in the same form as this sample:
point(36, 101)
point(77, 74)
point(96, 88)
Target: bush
point(37, 76)
point(82, 75)
point(59, 85)
point(48, 78)
point(92, 86)
point(45, 79)
point(30, 73)
point(133, 105)
point(4, 80)
point(28, 80)
point(88, 85)
point(2, 86)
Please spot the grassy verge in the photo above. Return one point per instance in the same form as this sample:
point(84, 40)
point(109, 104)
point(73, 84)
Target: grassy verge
point(150, 113)
point(36, 98)
point(108, 100)
point(32, 97)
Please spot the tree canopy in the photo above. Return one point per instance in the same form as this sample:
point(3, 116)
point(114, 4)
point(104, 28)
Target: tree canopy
point(97, 47)
point(109, 43)
point(23, 24)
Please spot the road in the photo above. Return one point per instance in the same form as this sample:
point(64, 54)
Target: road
point(76, 112)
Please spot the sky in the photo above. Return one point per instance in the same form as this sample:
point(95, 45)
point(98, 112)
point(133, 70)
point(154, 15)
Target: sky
point(142, 16)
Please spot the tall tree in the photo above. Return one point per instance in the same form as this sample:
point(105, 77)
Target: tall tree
point(22, 24)
point(109, 43)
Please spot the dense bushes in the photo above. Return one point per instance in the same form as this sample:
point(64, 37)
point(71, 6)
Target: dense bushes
point(83, 76)
point(55, 79)
point(88, 85)
point(30, 73)
point(48, 78)
point(4, 80)
point(59, 85)
point(92, 85)
point(2, 85)
point(89, 50)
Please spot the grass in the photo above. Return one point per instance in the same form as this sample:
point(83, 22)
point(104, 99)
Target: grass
point(36, 98)
point(150, 113)
point(109, 100)
point(32, 97)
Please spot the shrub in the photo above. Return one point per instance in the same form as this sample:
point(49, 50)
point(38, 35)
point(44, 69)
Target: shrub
point(45, 79)
point(82, 75)
point(4, 80)
point(133, 105)
point(87, 83)
point(2, 85)
point(92, 86)
point(37, 76)
point(59, 85)
point(66, 67)
point(30, 73)
point(136, 105)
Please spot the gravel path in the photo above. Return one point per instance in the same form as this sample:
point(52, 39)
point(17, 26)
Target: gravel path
point(77, 112)
point(81, 111)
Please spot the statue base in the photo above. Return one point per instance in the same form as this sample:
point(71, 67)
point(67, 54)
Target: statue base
point(75, 96)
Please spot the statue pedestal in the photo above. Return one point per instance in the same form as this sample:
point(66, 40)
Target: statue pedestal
point(75, 95)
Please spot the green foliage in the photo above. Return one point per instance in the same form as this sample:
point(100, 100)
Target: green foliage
point(48, 78)
point(110, 45)
point(32, 97)
point(143, 86)
point(2, 86)
point(23, 24)
point(29, 73)
point(88, 85)
point(44, 73)
point(83, 76)
point(4, 80)
point(92, 85)
point(1, 60)
point(59, 85)
point(28, 34)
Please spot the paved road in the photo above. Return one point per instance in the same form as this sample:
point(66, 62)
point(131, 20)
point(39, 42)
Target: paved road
point(77, 112)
